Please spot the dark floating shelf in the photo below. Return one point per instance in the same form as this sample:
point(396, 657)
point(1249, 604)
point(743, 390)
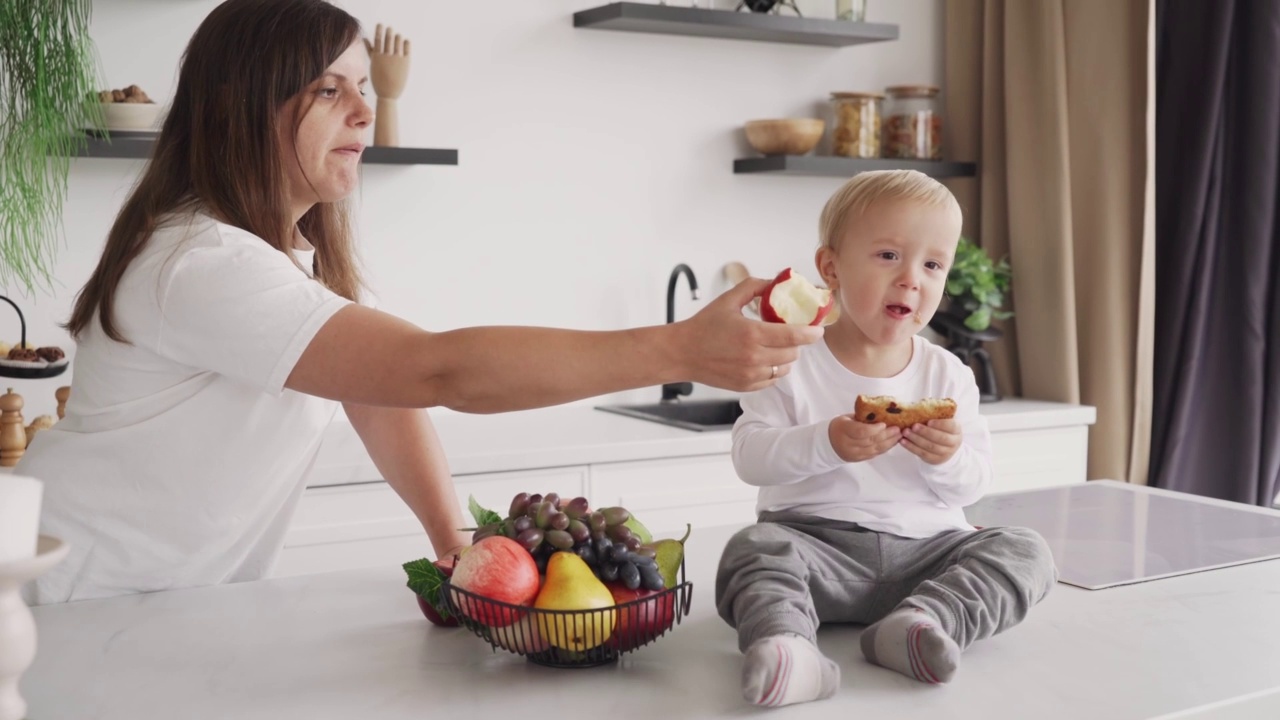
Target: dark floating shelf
point(672, 20)
point(139, 148)
point(847, 167)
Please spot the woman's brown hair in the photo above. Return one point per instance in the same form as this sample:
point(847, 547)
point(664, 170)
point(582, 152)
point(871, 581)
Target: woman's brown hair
point(220, 148)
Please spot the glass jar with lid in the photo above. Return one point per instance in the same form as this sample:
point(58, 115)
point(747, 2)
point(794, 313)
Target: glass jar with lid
point(913, 123)
point(856, 125)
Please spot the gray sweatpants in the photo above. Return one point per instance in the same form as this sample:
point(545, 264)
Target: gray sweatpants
point(791, 571)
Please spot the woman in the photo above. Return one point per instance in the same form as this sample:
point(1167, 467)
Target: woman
point(221, 325)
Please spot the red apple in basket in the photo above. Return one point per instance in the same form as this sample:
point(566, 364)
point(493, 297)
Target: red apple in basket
point(793, 300)
point(639, 623)
point(521, 637)
point(500, 569)
point(446, 567)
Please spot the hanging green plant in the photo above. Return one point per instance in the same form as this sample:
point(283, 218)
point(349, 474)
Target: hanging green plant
point(47, 72)
point(976, 286)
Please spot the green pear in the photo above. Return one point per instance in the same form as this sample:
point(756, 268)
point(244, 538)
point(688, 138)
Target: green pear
point(639, 530)
point(670, 553)
point(571, 585)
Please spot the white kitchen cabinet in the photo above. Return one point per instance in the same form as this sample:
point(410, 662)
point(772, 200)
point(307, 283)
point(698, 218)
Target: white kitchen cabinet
point(349, 518)
point(353, 526)
point(1027, 459)
point(666, 494)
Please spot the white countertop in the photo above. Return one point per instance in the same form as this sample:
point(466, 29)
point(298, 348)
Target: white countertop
point(353, 645)
point(580, 435)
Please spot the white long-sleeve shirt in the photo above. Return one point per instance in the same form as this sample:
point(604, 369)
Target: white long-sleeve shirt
point(781, 445)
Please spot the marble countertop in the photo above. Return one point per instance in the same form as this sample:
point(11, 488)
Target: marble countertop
point(580, 435)
point(353, 644)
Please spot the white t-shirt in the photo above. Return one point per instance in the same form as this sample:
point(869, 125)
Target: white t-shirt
point(182, 457)
point(781, 444)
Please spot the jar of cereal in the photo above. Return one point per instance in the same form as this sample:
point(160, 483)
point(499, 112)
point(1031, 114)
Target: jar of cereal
point(856, 129)
point(912, 123)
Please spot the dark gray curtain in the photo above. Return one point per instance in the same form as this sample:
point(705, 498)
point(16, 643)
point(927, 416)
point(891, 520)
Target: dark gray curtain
point(1216, 424)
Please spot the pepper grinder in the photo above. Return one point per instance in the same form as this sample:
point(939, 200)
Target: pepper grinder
point(13, 433)
point(61, 394)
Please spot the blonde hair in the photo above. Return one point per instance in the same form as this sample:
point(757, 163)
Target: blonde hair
point(865, 189)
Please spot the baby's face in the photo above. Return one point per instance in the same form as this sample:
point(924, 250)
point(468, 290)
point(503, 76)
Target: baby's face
point(890, 269)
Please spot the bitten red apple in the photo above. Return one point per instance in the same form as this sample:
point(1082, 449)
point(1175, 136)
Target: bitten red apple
point(793, 300)
point(639, 623)
point(499, 569)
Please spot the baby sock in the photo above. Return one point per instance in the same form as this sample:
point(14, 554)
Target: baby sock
point(787, 669)
point(911, 642)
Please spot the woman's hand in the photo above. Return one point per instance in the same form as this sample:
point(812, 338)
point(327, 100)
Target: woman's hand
point(498, 369)
point(857, 441)
point(722, 347)
point(446, 558)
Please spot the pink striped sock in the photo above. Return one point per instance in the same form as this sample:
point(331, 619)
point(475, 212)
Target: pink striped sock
point(787, 669)
point(911, 642)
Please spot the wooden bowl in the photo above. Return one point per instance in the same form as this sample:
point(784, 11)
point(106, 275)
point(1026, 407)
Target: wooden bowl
point(788, 136)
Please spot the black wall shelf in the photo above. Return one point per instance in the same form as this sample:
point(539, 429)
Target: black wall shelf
point(831, 166)
point(134, 148)
point(672, 20)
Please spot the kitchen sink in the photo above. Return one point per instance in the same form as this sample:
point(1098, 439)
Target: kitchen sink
point(696, 415)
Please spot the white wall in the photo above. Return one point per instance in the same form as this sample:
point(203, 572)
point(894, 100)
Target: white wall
point(591, 162)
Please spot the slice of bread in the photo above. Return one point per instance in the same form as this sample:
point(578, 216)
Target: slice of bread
point(885, 409)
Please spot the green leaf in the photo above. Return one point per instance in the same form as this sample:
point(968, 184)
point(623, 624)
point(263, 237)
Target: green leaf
point(979, 320)
point(427, 580)
point(481, 515)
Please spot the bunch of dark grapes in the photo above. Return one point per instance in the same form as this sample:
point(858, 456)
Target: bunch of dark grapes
point(544, 524)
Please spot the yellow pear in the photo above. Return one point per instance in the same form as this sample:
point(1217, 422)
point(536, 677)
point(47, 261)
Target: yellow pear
point(570, 585)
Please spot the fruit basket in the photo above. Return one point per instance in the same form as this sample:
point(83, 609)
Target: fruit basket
point(571, 638)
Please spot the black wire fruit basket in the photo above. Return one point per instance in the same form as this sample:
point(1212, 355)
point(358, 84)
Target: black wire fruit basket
point(571, 638)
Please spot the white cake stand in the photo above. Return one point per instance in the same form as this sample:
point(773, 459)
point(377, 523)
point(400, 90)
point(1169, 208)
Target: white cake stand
point(17, 626)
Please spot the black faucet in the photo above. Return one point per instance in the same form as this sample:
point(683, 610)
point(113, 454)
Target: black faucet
point(671, 392)
point(671, 288)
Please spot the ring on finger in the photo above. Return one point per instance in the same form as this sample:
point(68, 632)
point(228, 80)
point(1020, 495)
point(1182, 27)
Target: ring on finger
point(773, 372)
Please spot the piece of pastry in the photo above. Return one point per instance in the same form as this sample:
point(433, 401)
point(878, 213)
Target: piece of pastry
point(43, 422)
point(23, 354)
point(885, 409)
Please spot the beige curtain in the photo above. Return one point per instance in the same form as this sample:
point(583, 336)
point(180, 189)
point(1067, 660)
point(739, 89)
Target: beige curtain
point(1053, 99)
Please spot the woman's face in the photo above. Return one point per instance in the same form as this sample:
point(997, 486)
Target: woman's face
point(323, 156)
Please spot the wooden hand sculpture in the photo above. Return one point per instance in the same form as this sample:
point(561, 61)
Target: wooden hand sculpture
point(389, 68)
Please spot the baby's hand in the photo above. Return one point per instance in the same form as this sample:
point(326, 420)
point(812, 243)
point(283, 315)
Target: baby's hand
point(934, 443)
point(856, 441)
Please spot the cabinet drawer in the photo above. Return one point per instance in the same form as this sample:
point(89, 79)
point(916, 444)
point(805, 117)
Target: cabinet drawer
point(666, 494)
point(352, 555)
point(1026, 459)
point(365, 525)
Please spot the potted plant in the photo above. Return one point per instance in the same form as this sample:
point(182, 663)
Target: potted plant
point(976, 288)
point(47, 72)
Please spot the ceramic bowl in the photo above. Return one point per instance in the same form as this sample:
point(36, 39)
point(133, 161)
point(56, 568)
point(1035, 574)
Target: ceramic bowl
point(787, 136)
point(131, 116)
